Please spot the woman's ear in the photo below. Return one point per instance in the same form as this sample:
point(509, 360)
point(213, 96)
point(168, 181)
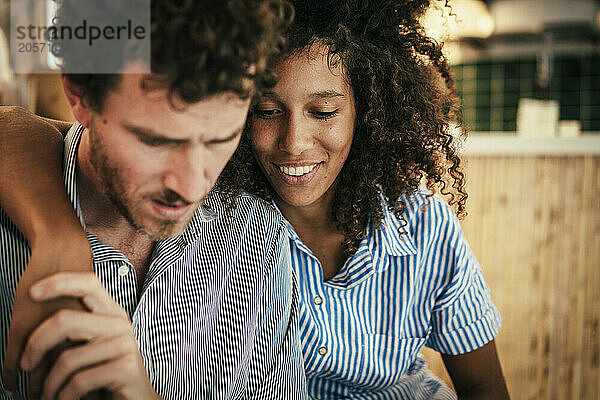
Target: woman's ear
point(75, 98)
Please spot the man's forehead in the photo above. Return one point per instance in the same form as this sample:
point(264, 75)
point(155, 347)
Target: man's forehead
point(154, 112)
point(153, 87)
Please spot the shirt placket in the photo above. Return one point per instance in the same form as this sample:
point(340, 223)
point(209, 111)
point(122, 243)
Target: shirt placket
point(320, 303)
point(119, 278)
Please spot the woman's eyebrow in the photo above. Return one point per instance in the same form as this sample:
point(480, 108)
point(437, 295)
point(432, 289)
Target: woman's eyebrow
point(270, 95)
point(325, 94)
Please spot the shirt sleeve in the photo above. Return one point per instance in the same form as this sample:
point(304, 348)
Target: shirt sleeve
point(279, 360)
point(464, 317)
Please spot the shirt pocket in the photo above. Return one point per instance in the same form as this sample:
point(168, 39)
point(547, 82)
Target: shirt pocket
point(385, 359)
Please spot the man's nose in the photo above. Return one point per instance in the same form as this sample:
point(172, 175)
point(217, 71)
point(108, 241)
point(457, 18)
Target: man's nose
point(187, 174)
point(295, 136)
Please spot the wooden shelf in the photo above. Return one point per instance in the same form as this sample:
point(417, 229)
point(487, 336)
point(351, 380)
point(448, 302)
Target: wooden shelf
point(508, 144)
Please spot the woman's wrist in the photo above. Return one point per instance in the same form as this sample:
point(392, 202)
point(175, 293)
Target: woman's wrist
point(64, 250)
point(60, 229)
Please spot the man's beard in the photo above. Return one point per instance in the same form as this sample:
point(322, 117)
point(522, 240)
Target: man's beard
point(114, 189)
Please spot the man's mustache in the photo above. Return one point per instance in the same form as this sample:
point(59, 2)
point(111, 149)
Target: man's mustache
point(171, 198)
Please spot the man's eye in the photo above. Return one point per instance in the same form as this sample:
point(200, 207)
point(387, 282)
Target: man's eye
point(324, 114)
point(269, 113)
point(155, 142)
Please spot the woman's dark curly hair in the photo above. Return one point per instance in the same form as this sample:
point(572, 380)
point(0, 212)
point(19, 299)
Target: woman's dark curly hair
point(403, 110)
point(198, 48)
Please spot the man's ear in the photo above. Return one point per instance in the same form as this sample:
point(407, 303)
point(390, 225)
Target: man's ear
point(80, 110)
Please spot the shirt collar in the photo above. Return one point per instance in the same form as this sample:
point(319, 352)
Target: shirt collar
point(70, 166)
point(290, 229)
point(205, 213)
point(389, 237)
point(395, 238)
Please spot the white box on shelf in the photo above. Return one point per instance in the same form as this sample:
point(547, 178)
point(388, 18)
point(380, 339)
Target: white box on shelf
point(537, 118)
point(569, 129)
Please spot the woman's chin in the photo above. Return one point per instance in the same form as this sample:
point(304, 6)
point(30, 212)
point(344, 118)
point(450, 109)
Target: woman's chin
point(298, 198)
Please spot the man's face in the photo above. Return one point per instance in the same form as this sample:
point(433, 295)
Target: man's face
point(157, 163)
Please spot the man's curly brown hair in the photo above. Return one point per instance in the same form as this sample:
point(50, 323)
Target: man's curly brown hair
point(401, 135)
point(198, 48)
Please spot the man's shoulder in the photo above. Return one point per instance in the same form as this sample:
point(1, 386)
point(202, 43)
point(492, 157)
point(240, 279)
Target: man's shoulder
point(15, 252)
point(10, 235)
point(244, 207)
point(245, 219)
point(244, 233)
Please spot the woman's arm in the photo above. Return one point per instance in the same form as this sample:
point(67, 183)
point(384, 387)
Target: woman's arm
point(31, 166)
point(477, 374)
point(32, 193)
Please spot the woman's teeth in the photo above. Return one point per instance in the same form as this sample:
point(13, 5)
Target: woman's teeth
point(297, 171)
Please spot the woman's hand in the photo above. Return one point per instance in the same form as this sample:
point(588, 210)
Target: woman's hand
point(107, 355)
point(67, 252)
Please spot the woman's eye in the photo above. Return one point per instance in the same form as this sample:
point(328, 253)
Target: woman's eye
point(324, 114)
point(269, 113)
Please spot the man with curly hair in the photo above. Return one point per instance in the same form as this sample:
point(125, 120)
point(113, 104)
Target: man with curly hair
point(192, 295)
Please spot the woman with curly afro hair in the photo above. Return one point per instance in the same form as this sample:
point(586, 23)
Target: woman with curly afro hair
point(351, 146)
point(357, 121)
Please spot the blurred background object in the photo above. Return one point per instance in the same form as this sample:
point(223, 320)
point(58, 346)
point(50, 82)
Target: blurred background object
point(14, 90)
point(528, 75)
point(506, 50)
point(5, 70)
point(537, 118)
point(41, 93)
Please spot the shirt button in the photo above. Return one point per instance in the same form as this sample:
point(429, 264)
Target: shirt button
point(123, 270)
point(318, 300)
point(322, 350)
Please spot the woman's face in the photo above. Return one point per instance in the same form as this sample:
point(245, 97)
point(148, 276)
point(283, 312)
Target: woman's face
point(302, 129)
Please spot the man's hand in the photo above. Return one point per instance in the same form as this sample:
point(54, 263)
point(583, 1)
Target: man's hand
point(47, 258)
point(108, 357)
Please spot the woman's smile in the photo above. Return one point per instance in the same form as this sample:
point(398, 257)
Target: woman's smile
point(298, 174)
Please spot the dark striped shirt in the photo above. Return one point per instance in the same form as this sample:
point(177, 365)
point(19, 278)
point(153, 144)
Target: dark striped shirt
point(216, 317)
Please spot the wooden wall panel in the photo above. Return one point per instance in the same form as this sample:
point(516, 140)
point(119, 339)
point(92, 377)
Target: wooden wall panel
point(534, 224)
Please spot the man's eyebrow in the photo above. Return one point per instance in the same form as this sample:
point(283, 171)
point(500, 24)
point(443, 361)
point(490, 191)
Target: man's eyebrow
point(150, 135)
point(231, 137)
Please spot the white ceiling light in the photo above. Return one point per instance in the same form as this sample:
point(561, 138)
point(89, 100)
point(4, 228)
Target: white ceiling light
point(468, 18)
point(531, 16)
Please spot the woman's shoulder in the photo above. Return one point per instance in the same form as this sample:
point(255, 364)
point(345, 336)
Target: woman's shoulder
point(422, 205)
point(427, 220)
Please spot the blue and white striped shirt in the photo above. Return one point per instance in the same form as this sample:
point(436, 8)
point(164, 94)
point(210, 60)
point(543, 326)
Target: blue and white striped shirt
point(216, 317)
point(362, 330)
